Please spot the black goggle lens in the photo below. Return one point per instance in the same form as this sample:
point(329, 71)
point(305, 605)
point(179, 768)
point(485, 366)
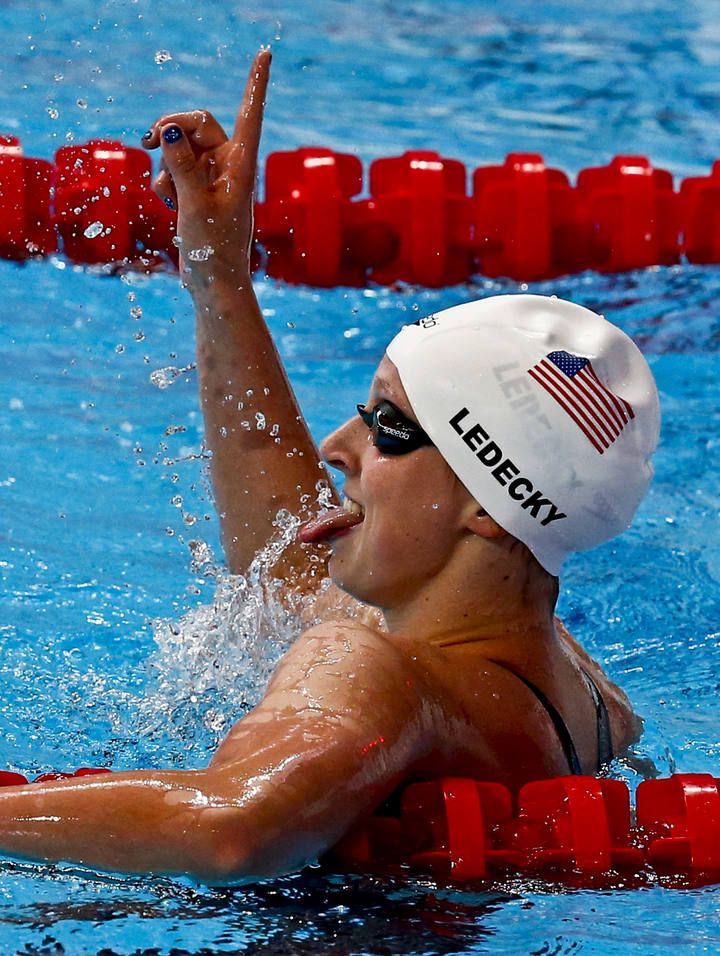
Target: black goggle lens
point(392, 432)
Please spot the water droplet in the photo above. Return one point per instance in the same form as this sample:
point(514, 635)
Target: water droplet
point(119, 349)
point(200, 255)
point(136, 312)
point(82, 104)
point(325, 495)
point(163, 56)
point(164, 377)
point(52, 112)
point(201, 554)
point(93, 230)
point(260, 421)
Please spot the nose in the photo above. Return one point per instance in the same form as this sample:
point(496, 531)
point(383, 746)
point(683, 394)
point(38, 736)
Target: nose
point(342, 448)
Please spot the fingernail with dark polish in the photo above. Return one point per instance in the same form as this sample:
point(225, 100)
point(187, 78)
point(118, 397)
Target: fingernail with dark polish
point(168, 202)
point(172, 134)
point(147, 136)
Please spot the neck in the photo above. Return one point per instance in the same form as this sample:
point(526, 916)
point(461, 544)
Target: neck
point(495, 593)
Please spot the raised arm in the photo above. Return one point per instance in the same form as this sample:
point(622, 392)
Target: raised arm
point(264, 458)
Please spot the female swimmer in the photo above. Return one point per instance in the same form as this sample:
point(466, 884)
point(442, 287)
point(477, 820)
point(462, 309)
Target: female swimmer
point(497, 437)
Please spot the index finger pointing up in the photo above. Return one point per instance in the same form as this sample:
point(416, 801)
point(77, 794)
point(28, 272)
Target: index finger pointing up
point(248, 123)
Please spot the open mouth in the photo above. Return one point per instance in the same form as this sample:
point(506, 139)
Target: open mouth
point(332, 523)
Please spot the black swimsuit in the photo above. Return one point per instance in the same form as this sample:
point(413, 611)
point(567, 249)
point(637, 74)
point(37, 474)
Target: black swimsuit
point(602, 718)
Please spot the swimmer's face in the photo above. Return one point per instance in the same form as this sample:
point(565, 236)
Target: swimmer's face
point(414, 507)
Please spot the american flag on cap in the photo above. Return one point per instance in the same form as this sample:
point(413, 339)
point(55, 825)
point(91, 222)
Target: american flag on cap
point(573, 383)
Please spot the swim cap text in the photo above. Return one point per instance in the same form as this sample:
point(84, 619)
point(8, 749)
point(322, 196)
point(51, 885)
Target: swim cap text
point(505, 471)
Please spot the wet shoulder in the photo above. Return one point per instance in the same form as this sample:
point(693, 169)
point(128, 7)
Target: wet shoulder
point(346, 657)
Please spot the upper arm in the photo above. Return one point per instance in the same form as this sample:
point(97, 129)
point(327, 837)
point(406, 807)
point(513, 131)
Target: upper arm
point(336, 733)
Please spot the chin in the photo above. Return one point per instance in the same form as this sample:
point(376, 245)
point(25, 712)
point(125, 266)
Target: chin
point(342, 576)
point(339, 576)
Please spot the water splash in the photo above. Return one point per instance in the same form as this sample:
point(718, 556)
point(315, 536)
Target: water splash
point(212, 666)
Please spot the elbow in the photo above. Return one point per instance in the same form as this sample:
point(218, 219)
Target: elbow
point(227, 850)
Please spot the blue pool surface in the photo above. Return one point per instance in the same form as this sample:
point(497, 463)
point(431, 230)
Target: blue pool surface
point(122, 641)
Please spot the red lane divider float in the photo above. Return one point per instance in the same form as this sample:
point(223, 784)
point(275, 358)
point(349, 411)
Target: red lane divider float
point(578, 830)
point(95, 201)
point(420, 198)
point(633, 212)
point(700, 216)
point(26, 223)
point(306, 216)
point(527, 220)
point(523, 219)
point(105, 209)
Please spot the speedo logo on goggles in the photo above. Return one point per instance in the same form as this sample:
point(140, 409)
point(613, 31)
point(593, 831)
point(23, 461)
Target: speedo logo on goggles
point(392, 432)
point(504, 470)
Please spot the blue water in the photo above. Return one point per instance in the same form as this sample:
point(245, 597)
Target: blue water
point(121, 641)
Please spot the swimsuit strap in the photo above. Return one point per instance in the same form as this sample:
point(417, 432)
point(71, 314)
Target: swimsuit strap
point(605, 747)
point(566, 741)
point(602, 718)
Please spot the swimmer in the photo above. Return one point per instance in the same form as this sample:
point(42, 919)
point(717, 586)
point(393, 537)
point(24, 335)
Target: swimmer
point(497, 438)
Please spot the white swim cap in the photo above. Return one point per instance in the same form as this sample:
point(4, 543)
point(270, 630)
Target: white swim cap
point(545, 411)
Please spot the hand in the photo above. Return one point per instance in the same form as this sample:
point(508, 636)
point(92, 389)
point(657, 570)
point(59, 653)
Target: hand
point(210, 179)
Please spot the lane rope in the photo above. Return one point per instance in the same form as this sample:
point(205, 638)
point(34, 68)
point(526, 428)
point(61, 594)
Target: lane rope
point(418, 224)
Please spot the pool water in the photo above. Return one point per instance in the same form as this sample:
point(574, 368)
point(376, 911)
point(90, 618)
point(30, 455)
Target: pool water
point(123, 643)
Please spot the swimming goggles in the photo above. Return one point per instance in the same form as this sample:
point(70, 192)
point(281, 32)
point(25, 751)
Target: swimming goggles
point(392, 432)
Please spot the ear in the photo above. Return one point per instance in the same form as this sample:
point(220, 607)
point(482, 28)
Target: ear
point(479, 522)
